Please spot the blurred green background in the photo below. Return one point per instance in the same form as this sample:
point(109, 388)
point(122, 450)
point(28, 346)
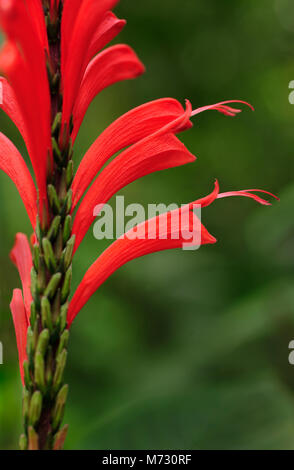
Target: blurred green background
point(187, 350)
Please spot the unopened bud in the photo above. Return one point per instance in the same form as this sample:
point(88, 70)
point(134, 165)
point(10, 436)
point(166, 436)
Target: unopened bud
point(52, 285)
point(58, 411)
point(46, 314)
point(40, 372)
point(33, 439)
point(35, 408)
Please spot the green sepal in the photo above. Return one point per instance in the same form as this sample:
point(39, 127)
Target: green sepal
point(56, 151)
point(56, 123)
point(59, 371)
point(39, 232)
point(49, 255)
point(53, 285)
point(49, 368)
point(53, 199)
point(63, 316)
point(63, 342)
point(67, 252)
point(46, 314)
point(27, 377)
point(69, 173)
point(67, 228)
point(53, 230)
point(69, 200)
point(55, 309)
point(33, 314)
point(25, 406)
point(65, 290)
point(35, 408)
point(34, 283)
point(59, 408)
point(43, 342)
point(36, 254)
point(40, 372)
point(30, 344)
point(58, 246)
point(42, 274)
point(66, 208)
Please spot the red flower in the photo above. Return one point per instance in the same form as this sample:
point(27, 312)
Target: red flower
point(22, 61)
point(164, 233)
point(146, 135)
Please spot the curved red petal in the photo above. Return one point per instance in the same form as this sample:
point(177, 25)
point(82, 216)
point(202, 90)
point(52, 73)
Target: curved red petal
point(133, 126)
point(155, 153)
point(107, 30)
point(21, 326)
point(21, 256)
point(10, 107)
point(166, 231)
point(112, 65)
point(12, 163)
point(89, 15)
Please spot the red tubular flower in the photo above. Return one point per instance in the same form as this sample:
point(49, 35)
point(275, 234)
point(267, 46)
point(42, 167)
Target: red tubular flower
point(164, 232)
point(12, 163)
point(80, 32)
point(22, 61)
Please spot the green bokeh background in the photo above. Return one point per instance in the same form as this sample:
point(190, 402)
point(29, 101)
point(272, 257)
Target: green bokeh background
point(187, 350)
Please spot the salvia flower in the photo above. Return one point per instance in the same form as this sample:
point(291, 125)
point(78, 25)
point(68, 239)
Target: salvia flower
point(54, 62)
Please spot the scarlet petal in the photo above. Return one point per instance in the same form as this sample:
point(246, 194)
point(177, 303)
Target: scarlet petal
point(167, 231)
point(73, 65)
point(155, 153)
point(10, 107)
point(161, 236)
point(12, 163)
point(69, 16)
point(126, 130)
point(21, 326)
point(21, 256)
point(115, 64)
